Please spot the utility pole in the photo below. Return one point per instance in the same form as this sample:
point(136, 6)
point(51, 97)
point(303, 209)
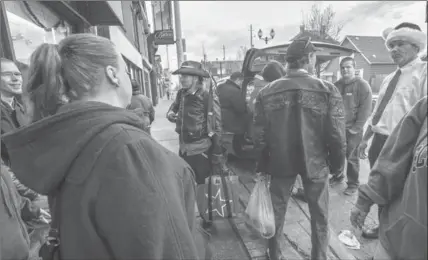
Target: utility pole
point(251, 36)
point(224, 53)
point(178, 37)
point(167, 56)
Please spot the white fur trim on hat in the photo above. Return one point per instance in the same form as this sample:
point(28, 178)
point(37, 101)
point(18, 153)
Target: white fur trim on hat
point(416, 37)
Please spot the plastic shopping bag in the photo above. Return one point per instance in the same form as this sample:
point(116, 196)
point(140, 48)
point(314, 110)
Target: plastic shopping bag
point(259, 212)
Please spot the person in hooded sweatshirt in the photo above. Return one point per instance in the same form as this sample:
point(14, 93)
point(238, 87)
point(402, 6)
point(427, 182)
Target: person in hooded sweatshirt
point(357, 99)
point(111, 194)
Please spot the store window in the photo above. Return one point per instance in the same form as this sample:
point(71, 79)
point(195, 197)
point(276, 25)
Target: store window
point(27, 36)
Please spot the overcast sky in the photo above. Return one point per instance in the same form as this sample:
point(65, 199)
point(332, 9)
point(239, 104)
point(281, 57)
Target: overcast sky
point(217, 23)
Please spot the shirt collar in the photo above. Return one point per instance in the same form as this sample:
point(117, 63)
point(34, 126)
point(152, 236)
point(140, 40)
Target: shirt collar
point(410, 65)
point(10, 102)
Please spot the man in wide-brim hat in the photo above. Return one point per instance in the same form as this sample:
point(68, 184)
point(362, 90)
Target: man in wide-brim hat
point(399, 92)
point(199, 132)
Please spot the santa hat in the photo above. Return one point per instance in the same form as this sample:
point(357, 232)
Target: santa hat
point(406, 32)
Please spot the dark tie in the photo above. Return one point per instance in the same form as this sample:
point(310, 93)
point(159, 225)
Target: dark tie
point(386, 98)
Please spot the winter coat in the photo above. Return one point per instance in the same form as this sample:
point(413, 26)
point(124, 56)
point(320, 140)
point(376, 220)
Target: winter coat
point(115, 196)
point(398, 183)
point(233, 107)
point(12, 119)
point(143, 107)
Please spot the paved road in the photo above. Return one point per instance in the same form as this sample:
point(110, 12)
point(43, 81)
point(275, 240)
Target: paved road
point(340, 204)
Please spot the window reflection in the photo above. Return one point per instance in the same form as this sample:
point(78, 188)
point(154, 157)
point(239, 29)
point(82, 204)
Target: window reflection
point(27, 36)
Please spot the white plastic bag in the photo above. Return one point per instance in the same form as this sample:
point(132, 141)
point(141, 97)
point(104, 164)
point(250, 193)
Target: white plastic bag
point(259, 212)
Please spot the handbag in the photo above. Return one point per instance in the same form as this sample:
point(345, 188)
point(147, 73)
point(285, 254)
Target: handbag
point(218, 197)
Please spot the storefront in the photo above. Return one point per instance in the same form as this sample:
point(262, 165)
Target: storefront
point(27, 24)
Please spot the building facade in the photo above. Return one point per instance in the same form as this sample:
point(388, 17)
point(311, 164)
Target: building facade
point(27, 24)
point(223, 68)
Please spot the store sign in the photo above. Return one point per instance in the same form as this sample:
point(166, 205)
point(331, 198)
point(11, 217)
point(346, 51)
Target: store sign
point(164, 37)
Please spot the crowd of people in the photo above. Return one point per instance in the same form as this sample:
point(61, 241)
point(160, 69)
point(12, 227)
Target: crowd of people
point(78, 133)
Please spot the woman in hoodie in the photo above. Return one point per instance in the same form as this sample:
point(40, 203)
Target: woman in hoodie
point(111, 194)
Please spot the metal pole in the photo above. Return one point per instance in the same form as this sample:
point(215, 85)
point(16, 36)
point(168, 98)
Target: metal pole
point(224, 53)
point(167, 56)
point(178, 33)
point(221, 71)
point(251, 36)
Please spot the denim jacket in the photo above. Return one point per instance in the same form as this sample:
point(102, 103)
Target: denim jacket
point(300, 121)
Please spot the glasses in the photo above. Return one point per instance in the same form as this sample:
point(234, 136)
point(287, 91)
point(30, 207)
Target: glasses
point(10, 74)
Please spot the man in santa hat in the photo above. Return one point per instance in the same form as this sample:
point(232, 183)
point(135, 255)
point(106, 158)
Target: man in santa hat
point(398, 93)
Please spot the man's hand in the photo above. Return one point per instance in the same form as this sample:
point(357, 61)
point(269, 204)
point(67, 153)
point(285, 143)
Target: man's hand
point(358, 217)
point(172, 117)
point(362, 149)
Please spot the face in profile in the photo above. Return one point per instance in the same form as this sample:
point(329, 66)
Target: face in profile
point(402, 52)
point(11, 78)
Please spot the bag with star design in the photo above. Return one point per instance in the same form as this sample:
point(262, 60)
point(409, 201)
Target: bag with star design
point(218, 197)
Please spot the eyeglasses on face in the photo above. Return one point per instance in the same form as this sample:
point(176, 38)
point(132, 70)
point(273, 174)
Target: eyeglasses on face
point(11, 73)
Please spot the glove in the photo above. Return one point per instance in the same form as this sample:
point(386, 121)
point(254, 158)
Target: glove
point(358, 217)
point(172, 117)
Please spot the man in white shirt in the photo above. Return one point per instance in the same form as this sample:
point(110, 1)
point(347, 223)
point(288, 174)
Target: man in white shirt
point(399, 91)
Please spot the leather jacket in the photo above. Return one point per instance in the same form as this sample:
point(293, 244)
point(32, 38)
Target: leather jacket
point(192, 114)
point(300, 121)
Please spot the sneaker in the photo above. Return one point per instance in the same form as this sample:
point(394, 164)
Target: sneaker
point(336, 180)
point(350, 190)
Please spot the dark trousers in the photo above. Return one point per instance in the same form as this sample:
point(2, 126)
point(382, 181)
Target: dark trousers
point(200, 164)
point(316, 193)
point(375, 148)
point(353, 160)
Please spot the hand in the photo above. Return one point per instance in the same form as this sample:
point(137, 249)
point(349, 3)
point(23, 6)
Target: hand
point(362, 150)
point(358, 217)
point(352, 132)
point(172, 117)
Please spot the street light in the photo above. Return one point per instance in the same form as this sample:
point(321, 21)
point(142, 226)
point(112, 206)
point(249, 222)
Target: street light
point(266, 39)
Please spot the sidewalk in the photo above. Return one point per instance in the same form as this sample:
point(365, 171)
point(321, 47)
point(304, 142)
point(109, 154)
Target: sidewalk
point(297, 242)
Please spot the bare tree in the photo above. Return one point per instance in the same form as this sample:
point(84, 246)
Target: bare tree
point(322, 20)
point(240, 54)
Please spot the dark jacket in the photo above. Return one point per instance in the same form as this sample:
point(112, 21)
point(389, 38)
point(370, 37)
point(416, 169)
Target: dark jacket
point(233, 107)
point(192, 114)
point(398, 182)
point(143, 106)
point(14, 210)
point(12, 119)
point(117, 197)
point(300, 120)
point(357, 99)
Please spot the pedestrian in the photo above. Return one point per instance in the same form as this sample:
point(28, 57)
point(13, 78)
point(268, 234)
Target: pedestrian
point(15, 210)
point(142, 106)
point(111, 194)
point(357, 98)
point(13, 115)
point(399, 91)
point(398, 184)
point(234, 114)
point(300, 121)
point(199, 140)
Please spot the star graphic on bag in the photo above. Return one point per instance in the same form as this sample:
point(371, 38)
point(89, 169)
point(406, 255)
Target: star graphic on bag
point(218, 194)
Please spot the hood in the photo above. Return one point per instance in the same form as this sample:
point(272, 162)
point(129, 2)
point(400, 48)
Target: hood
point(273, 71)
point(42, 152)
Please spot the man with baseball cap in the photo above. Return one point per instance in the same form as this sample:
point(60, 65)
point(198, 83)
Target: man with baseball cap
point(199, 132)
point(300, 121)
point(399, 91)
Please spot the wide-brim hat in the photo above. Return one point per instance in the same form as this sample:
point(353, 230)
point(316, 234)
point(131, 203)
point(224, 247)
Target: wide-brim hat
point(411, 35)
point(193, 68)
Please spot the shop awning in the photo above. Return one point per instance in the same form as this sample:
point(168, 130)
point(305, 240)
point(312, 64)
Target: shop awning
point(89, 12)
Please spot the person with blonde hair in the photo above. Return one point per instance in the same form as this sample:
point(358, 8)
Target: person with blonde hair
point(111, 194)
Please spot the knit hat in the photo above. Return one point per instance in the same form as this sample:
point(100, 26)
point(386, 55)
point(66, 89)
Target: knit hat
point(408, 32)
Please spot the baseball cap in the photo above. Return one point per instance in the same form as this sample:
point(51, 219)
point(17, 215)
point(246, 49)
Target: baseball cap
point(300, 47)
